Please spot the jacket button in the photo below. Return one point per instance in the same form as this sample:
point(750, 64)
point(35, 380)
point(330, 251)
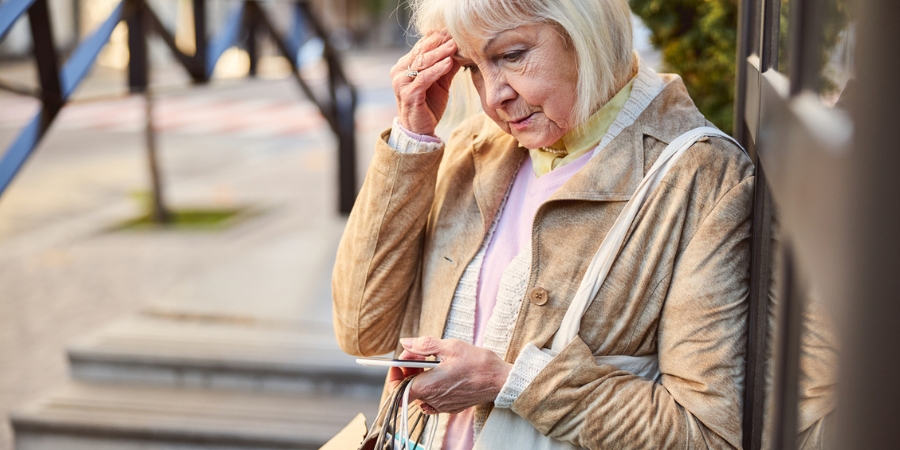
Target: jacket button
point(538, 296)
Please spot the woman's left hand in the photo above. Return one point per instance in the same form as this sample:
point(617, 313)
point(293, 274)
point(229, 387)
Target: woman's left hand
point(467, 375)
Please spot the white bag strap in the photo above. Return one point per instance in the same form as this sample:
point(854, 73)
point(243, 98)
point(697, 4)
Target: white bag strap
point(612, 243)
point(402, 438)
point(404, 419)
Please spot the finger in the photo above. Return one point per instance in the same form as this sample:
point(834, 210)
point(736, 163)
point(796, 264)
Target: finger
point(431, 57)
point(428, 43)
point(410, 371)
point(406, 354)
point(424, 346)
point(400, 78)
point(412, 96)
point(427, 409)
point(416, 92)
point(445, 81)
point(395, 376)
point(423, 56)
point(413, 59)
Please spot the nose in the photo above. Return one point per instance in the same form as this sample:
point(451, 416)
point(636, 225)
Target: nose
point(497, 90)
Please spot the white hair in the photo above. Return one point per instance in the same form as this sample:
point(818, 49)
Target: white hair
point(599, 31)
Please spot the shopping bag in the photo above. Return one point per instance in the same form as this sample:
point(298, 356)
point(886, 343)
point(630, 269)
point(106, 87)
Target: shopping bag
point(393, 429)
point(350, 437)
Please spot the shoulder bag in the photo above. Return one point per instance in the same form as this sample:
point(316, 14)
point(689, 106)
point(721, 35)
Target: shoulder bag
point(506, 430)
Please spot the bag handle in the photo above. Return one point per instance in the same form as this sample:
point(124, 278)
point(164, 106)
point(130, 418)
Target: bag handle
point(612, 243)
point(391, 429)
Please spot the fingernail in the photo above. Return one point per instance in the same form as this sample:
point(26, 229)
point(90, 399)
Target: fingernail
point(406, 342)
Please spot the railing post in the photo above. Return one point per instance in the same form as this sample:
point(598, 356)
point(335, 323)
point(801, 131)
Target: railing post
point(137, 48)
point(251, 22)
point(343, 101)
point(200, 40)
point(345, 105)
point(76, 19)
point(45, 56)
point(138, 80)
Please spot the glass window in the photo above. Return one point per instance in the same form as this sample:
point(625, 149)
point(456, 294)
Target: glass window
point(838, 43)
point(784, 37)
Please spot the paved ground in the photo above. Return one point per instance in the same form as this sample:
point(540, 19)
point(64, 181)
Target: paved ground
point(64, 273)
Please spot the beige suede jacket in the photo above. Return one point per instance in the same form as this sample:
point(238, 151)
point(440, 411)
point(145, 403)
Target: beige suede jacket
point(678, 289)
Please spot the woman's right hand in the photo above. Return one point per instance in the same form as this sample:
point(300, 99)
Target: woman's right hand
point(421, 100)
point(467, 375)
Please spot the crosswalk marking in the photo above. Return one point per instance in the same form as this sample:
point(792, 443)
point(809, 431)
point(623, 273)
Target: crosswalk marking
point(195, 115)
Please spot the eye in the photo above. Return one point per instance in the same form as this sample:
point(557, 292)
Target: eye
point(513, 56)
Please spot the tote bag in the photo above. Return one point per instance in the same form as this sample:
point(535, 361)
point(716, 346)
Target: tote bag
point(505, 429)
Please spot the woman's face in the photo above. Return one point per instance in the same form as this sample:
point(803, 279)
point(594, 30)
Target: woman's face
point(526, 78)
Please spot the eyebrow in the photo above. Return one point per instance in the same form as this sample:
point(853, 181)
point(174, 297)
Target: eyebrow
point(494, 38)
point(484, 48)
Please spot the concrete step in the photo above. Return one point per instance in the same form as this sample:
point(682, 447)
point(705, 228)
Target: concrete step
point(83, 416)
point(222, 352)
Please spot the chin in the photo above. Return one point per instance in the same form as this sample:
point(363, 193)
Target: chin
point(531, 141)
point(537, 135)
point(528, 138)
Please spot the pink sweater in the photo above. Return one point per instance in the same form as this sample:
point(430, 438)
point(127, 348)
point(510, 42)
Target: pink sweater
point(513, 233)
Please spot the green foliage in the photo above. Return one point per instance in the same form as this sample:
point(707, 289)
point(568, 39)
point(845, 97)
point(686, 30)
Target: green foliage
point(698, 40)
point(187, 219)
point(376, 7)
point(195, 219)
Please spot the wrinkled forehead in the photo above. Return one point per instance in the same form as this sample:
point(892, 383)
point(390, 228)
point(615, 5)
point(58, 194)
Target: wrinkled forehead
point(473, 22)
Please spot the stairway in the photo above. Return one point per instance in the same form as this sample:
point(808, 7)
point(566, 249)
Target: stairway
point(181, 381)
point(208, 353)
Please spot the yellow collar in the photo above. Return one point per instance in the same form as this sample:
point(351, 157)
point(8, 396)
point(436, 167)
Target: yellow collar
point(583, 138)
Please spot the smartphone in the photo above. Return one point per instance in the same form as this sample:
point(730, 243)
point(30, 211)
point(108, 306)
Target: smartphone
point(388, 362)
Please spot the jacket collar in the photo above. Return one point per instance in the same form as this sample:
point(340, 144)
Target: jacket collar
point(615, 171)
point(672, 101)
point(619, 165)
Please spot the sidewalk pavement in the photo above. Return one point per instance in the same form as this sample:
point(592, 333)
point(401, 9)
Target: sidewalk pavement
point(64, 272)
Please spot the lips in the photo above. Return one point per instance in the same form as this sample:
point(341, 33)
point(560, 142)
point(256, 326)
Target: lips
point(521, 118)
point(521, 122)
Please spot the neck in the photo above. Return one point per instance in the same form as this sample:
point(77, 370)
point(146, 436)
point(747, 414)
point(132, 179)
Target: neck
point(621, 80)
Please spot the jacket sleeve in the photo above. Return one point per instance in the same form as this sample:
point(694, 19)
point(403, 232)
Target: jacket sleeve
point(379, 255)
point(701, 344)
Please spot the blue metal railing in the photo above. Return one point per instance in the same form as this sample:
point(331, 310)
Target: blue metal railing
point(248, 18)
point(10, 11)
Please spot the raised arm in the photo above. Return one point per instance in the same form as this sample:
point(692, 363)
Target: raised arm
point(379, 256)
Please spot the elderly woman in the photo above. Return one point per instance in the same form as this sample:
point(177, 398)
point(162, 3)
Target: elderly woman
point(471, 249)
